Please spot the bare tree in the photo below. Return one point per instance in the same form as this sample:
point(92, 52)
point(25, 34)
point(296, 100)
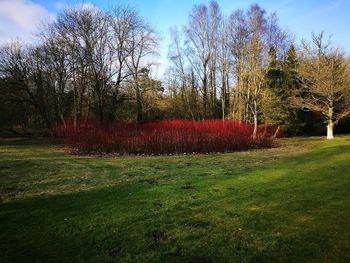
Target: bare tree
point(122, 21)
point(86, 31)
point(181, 72)
point(24, 68)
point(73, 26)
point(106, 51)
point(224, 58)
point(199, 50)
point(215, 21)
point(55, 55)
point(326, 88)
point(238, 38)
point(252, 35)
point(142, 44)
point(84, 63)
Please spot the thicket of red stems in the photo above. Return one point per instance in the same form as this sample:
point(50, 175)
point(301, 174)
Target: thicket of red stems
point(161, 137)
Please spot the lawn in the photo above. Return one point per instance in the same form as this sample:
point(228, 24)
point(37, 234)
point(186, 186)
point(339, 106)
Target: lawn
point(286, 204)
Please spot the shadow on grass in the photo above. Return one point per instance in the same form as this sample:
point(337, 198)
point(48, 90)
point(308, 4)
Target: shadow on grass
point(294, 211)
point(288, 218)
point(29, 141)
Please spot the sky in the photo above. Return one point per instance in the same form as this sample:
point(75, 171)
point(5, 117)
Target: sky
point(19, 18)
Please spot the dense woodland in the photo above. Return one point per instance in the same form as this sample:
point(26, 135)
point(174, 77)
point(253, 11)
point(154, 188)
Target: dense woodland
point(101, 64)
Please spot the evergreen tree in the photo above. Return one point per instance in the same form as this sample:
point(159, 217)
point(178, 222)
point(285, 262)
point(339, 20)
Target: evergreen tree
point(295, 121)
point(281, 79)
point(274, 109)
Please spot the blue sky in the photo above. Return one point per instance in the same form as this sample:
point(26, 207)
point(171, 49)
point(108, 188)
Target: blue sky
point(301, 17)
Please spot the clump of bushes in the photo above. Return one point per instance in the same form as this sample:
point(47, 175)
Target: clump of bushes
point(160, 137)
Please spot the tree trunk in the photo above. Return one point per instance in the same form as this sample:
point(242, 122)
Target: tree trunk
point(255, 131)
point(330, 124)
point(276, 132)
point(205, 97)
point(139, 106)
point(255, 116)
point(223, 95)
point(330, 130)
point(100, 108)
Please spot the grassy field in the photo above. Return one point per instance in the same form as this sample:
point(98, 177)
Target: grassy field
point(286, 204)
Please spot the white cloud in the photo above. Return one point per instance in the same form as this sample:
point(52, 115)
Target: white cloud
point(19, 18)
point(87, 5)
point(61, 5)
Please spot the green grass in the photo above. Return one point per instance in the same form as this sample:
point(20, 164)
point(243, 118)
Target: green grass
point(287, 204)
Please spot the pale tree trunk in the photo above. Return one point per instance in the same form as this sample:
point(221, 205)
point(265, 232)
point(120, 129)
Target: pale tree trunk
point(255, 131)
point(255, 116)
point(276, 132)
point(223, 92)
point(330, 124)
point(330, 130)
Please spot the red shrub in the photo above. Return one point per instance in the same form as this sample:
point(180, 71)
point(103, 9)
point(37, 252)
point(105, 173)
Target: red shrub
point(160, 137)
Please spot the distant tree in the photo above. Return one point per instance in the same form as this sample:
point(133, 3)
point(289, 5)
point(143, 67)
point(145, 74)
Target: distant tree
point(325, 87)
point(274, 101)
point(15, 112)
point(143, 45)
point(123, 21)
point(253, 36)
point(183, 94)
point(150, 91)
point(25, 75)
point(85, 63)
point(199, 51)
point(224, 61)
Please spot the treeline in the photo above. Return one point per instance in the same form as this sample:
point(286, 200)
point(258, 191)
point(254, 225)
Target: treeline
point(246, 67)
point(85, 64)
point(99, 64)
